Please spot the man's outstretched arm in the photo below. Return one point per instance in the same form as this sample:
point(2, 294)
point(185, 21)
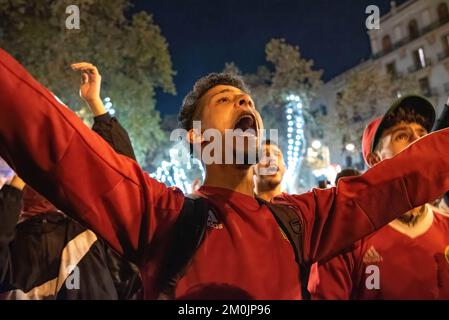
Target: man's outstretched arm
point(56, 154)
point(335, 218)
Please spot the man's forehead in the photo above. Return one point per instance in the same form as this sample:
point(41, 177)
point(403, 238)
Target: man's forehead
point(272, 147)
point(403, 125)
point(222, 88)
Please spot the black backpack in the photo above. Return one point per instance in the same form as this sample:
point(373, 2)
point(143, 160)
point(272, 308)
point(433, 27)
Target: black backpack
point(189, 232)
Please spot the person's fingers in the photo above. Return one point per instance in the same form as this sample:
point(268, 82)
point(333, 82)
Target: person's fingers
point(85, 66)
point(95, 70)
point(89, 69)
point(84, 78)
point(81, 64)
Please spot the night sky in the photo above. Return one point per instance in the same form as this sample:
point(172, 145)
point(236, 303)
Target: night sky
point(204, 34)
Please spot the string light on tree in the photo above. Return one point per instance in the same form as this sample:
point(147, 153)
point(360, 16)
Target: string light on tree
point(172, 172)
point(108, 106)
point(295, 138)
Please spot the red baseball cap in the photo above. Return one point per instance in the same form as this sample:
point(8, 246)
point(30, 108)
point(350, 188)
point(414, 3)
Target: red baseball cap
point(373, 131)
point(368, 137)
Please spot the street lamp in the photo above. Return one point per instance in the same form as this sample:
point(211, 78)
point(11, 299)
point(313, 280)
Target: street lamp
point(350, 147)
point(316, 144)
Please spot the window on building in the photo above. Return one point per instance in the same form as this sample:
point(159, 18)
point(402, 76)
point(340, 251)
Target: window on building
point(339, 96)
point(425, 86)
point(419, 58)
point(323, 109)
point(391, 69)
point(443, 13)
point(413, 29)
point(386, 43)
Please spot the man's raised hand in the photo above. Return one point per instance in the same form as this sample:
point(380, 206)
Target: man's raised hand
point(90, 86)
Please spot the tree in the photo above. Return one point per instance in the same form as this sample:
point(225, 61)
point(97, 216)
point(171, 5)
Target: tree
point(287, 73)
point(131, 54)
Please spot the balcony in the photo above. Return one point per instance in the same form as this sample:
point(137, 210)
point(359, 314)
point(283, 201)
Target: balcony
point(408, 39)
point(417, 67)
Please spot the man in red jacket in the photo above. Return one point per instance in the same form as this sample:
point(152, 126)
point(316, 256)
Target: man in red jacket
point(244, 255)
point(408, 258)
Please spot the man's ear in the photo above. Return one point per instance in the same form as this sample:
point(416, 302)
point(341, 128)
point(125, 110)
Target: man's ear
point(254, 169)
point(194, 137)
point(372, 159)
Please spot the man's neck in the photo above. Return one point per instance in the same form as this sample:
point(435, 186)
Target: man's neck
point(413, 217)
point(237, 178)
point(269, 193)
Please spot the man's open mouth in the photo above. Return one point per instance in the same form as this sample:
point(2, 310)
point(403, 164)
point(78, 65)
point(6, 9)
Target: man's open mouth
point(247, 123)
point(272, 170)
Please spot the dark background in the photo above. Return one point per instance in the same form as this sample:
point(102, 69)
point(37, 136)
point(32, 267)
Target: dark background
point(204, 34)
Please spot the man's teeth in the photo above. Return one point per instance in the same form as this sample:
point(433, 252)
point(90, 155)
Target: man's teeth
point(272, 169)
point(246, 133)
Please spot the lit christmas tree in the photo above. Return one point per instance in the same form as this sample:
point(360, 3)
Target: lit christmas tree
point(181, 170)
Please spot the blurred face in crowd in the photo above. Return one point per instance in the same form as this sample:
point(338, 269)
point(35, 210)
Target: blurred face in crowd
point(270, 169)
point(396, 139)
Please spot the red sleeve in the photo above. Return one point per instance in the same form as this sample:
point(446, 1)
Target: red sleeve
point(332, 280)
point(54, 152)
point(335, 218)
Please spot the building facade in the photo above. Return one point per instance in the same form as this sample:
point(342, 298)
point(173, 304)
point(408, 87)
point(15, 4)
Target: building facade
point(413, 39)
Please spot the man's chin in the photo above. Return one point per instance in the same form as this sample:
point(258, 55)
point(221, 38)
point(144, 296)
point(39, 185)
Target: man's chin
point(273, 180)
point(247, 157)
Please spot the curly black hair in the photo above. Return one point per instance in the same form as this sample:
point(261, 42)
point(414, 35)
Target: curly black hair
point(190, 107)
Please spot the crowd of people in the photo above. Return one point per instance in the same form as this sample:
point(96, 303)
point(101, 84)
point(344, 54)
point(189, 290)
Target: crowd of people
point(80, 219)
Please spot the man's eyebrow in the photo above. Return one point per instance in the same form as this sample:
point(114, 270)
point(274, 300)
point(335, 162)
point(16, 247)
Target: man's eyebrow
point(404, 127)
point(422, 129)
point(222, 91)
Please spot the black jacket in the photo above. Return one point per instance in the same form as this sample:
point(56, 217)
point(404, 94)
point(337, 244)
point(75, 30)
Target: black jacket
point(51, 256)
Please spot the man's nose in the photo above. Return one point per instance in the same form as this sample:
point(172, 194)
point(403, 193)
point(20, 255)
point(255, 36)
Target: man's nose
point(415, 136)
point(244, 100)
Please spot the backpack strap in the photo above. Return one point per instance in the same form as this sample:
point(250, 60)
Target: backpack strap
point(188, 234)
point(293, 227)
